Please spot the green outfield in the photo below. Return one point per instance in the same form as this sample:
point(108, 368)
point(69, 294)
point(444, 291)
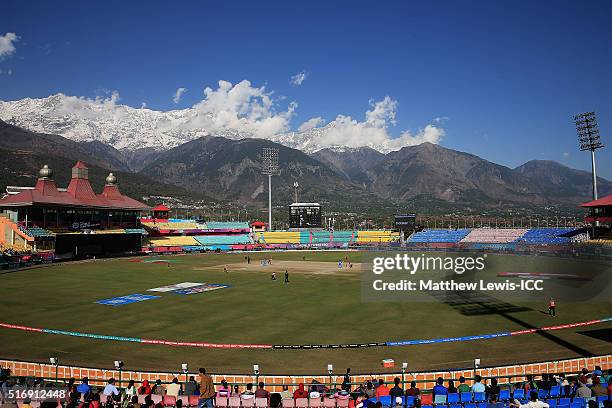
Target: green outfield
point(320, 305)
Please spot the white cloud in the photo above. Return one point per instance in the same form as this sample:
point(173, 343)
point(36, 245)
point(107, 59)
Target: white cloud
point(143, 105)
point(374, 131)
point(311, 124)
point(241, 107)
point(178, 95)
point(298, 78)
point(566, 154)
point(7, 44)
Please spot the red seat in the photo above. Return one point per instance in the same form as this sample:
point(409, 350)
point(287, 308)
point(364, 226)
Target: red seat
point(301, 402)
point(169, 401)
point(261, 402)
point(329, 402)
point(234, 402)
point(221, 401)
point(426, 399)
point(194, 400)
point(288, 403)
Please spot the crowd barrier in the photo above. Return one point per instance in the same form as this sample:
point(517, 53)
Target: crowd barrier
point(514, 373)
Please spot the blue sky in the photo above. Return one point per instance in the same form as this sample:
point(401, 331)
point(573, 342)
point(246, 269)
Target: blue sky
point(506, 76)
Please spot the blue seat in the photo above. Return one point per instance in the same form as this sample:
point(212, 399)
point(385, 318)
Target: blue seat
point(482, 405)
point(469, 405)
point(479, 396)
point(452, 397)
point(409, 401)
point(555, 391)
point(552, 402)
point(455, 406)
point(563, 406)
point(430, 406)
point(466, 397)
point(385, 400)
point(542, 394)
point(519, 394)
point(577, 403)
point(504, 394)
point(564, 401)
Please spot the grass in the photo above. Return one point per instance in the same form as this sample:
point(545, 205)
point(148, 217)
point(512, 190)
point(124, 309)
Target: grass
point(315, 308)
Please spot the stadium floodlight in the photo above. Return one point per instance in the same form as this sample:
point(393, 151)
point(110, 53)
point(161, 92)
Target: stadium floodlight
point(589, 139)
point(185, 368)
point(295, 187)
point(55, 361)
point(404, 367)
point(256, 369)
point(118, 364)
point(476, 363)
point(269, 167)
point(330, 369)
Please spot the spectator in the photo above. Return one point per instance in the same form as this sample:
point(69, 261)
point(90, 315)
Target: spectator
point(530, 385)
point(493, 390)
point(84, 388)
point(346, 381)
point(439, 388)
point(597, 371)
point(262, 392)
point(148, 401)
point(413, 391)
point(158, 388)
point(179, 403)
point(609, 390)
point(236, 391)
point(369, 390)
point(300, 392)
point(478, 386)
point(583, 391)
point(314, 394)
point(224, 389)
point(597, 389)
point(396, 391)
point(607, 378)
point(207, 390)
point(110, 389)
point(133, 402)
point(285, 393)
point(26, 403)
point(145, 388)
point(382, 390)
point(533, 402)
point(451, 387)
point(248, 394)
point(174, 388)
point(191, 386)
point(131, 390)
point(463, 387)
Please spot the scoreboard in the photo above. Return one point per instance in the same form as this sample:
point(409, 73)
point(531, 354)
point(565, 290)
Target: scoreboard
point(305, 215)
point(405, 221)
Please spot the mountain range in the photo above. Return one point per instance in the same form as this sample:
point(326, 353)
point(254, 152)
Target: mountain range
point(155, 157)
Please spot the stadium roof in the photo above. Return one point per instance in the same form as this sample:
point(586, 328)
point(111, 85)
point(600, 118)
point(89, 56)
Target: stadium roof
point(602, 202)
point(78, 194)
point(160, 207)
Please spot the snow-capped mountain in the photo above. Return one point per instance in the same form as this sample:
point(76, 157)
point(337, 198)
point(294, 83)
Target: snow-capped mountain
point(128, 128)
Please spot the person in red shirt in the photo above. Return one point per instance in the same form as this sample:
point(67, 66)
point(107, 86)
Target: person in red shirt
point(551, 307)
point(300, 392)
point(382, 390)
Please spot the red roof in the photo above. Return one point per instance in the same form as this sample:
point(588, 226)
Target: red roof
point(602, 202)
point(160, 207)
point(79, 194)
point(258, 224)
point(79, 165)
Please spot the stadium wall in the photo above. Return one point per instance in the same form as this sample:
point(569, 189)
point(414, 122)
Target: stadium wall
point(426, 380)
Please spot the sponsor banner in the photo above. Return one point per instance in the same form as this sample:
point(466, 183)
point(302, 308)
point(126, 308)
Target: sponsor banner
point(176, 286)
point(124, 300)
point(207, 287)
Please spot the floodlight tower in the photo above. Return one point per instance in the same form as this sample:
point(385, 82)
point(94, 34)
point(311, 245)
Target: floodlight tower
point(295, 187)
point(269, 167)
point(589, 139)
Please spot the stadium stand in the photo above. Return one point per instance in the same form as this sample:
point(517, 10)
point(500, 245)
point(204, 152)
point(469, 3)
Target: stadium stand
point(171, 240)
point(435, 235)
point(343, 236)
point(227, 225)
point(546, 236)
point(222, 239)
point(494, 235)
point(321, 237)
point(381, 236)
point(281, 237)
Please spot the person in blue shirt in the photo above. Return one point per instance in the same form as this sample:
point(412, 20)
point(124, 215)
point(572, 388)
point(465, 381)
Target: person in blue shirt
point(478, 386)
point(84, 388)
point(439, 388)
